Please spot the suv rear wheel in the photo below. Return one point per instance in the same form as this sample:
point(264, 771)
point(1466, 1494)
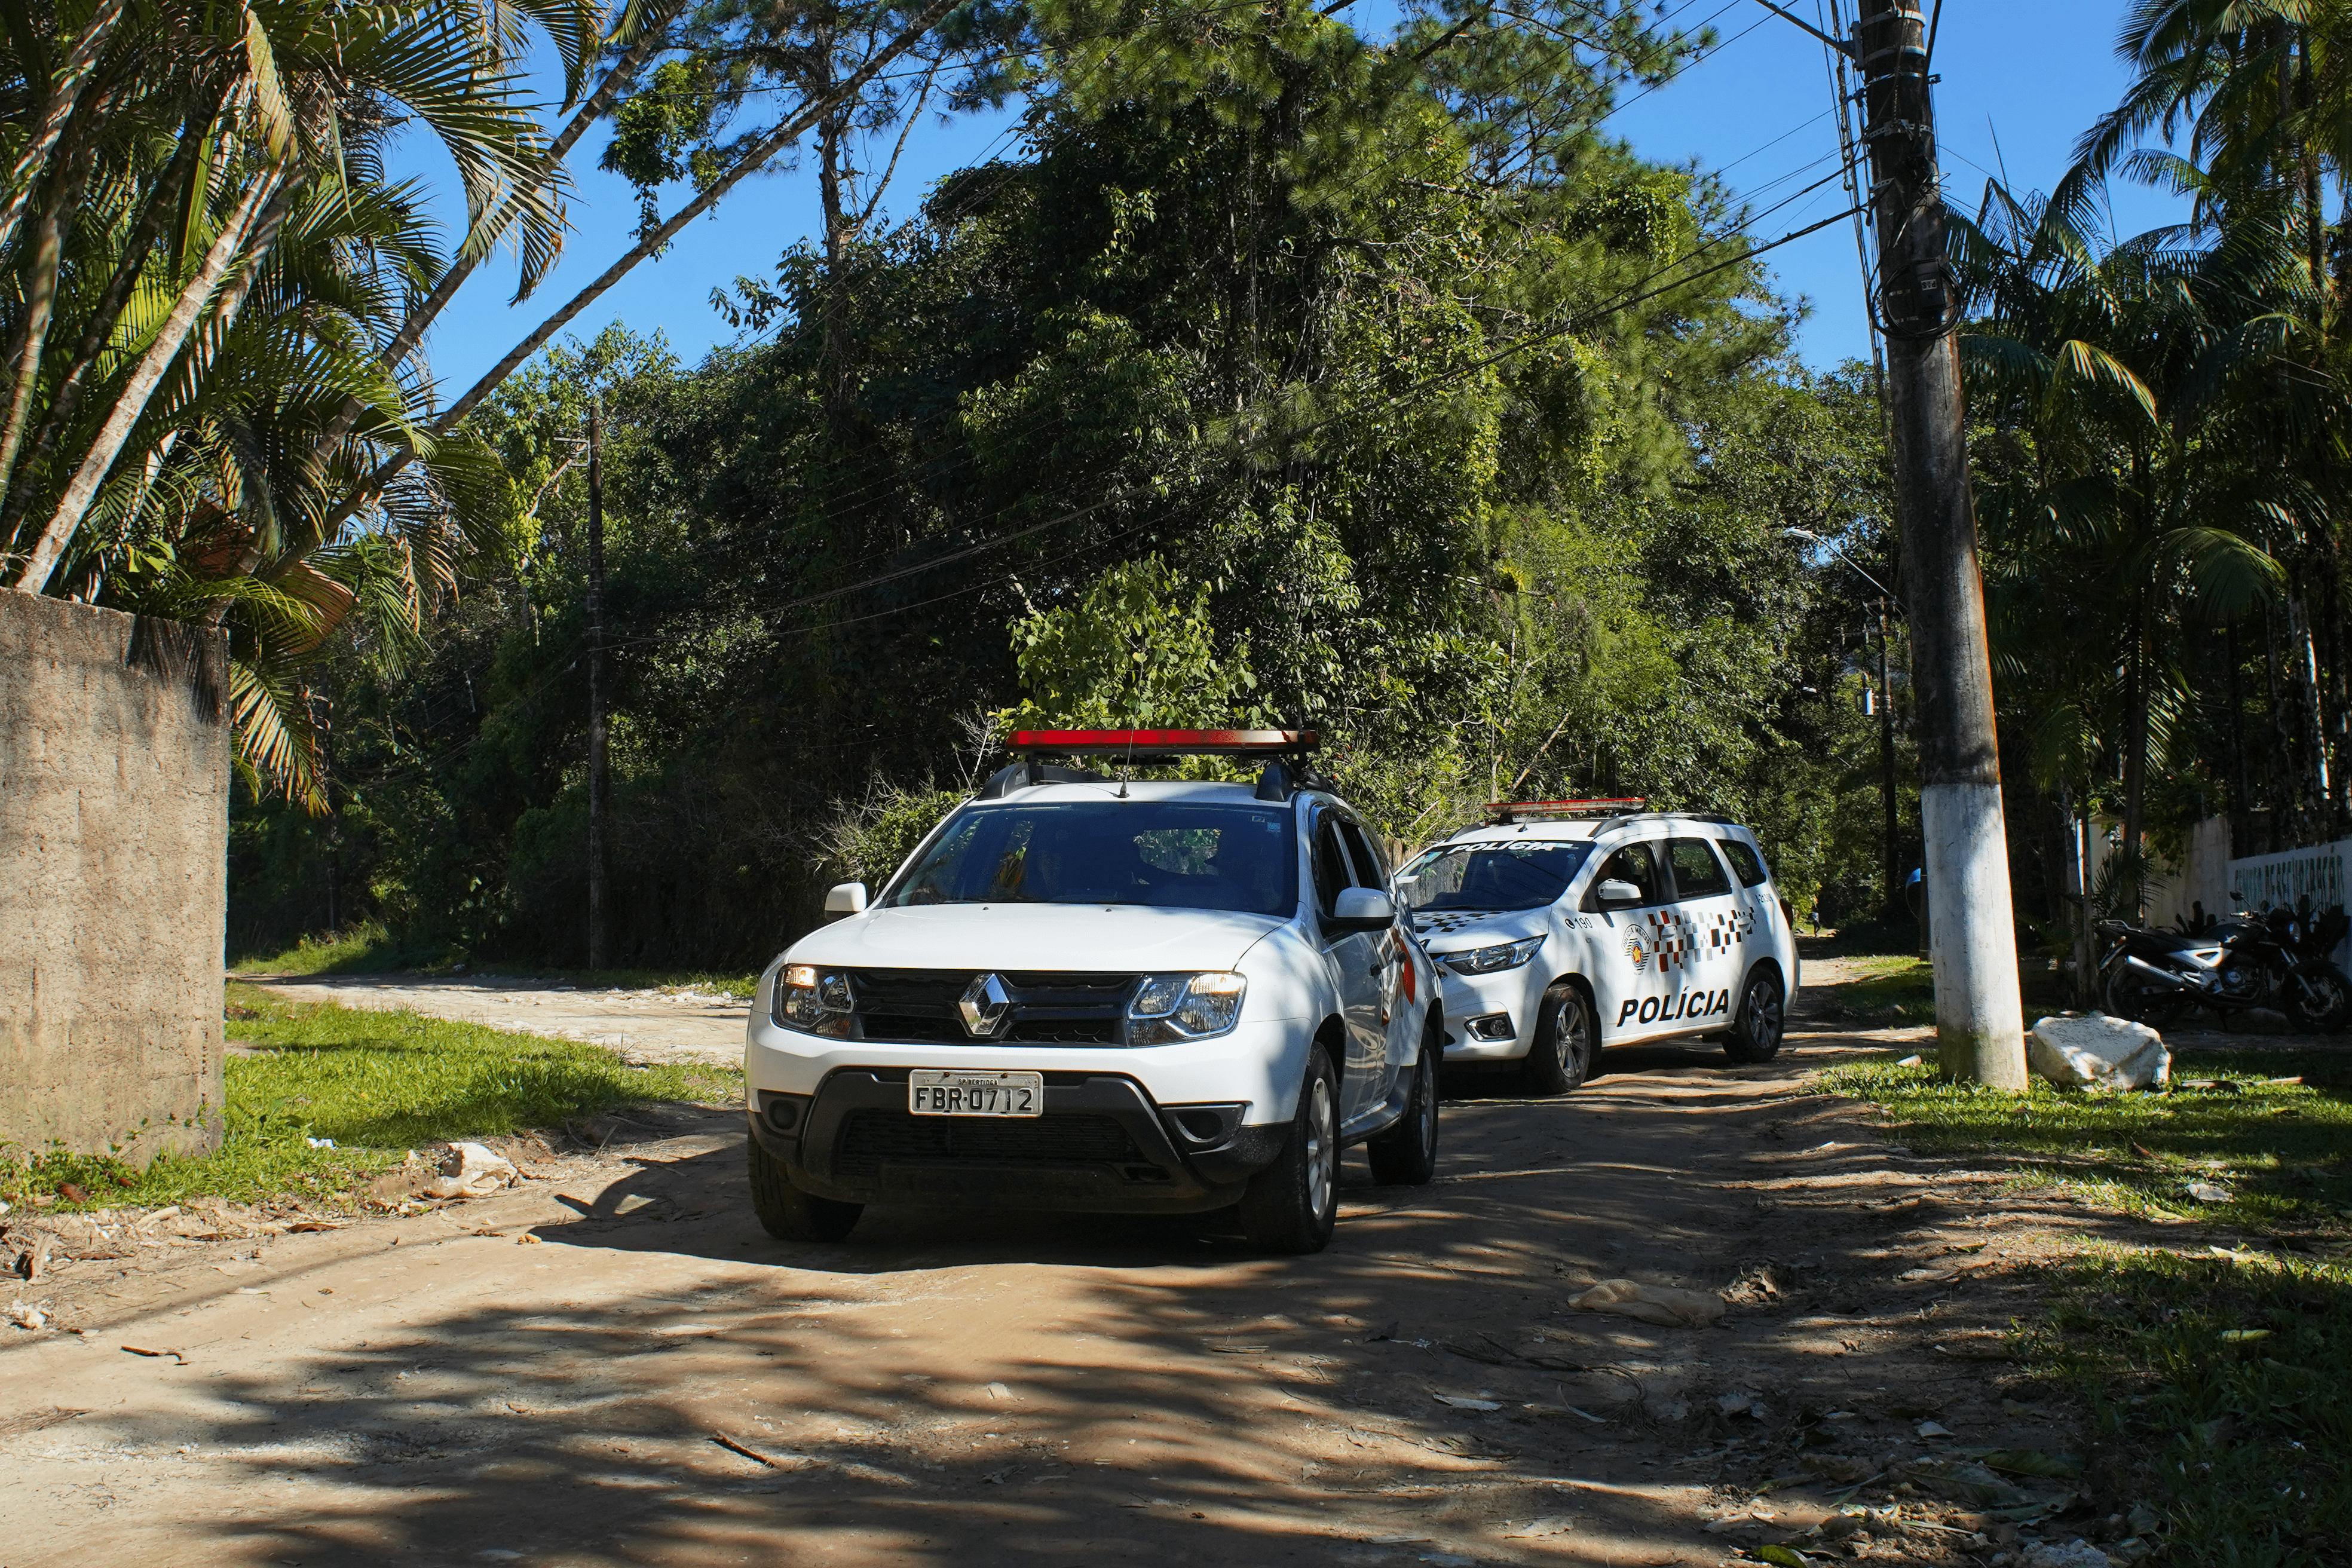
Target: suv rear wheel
point(788, 1212)
point(1293, 1204)
point(1406, 1154)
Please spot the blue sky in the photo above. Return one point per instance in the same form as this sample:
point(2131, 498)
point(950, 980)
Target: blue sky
point(2022, 81)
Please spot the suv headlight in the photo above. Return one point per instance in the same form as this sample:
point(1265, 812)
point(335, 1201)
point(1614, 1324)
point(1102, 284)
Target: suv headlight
point(811, 1000)
point(1171, 1007)
point(1492, 960)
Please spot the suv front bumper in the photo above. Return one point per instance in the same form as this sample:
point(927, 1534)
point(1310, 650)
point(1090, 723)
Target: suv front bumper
point(1101, 1146)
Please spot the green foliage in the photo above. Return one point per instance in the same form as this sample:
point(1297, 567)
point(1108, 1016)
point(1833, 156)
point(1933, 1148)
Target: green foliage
point(1137, 650)
point(1283, 375)
point(869, 841)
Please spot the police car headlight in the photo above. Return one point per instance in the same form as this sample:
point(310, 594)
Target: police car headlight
point(1491, 960)
point(1171, 1007)
point(811, 1000)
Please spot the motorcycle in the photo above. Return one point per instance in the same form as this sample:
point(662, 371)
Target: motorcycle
point(2278, 962)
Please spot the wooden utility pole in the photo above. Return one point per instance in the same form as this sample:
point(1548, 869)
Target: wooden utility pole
point(597, 934)
point(1972, 932)
point(1889, 845)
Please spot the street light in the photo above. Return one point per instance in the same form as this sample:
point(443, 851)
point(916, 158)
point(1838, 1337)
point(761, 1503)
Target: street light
point(1893, 886)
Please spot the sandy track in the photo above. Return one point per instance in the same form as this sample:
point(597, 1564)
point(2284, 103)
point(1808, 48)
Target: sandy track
point(973, 1388)
point(648, 1028)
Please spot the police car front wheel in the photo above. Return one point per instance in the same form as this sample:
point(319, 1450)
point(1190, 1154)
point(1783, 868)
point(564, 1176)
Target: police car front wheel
point(1561, 1058)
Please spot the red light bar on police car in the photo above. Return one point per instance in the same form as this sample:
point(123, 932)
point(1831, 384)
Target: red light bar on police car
point(1164, 743)
point(1508, 810)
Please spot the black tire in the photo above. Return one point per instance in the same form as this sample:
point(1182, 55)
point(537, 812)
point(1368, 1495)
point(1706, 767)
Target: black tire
point(2143, 1002)
point(2318, 1000)
point(1406, 1154)
point(1293, 1204)
point(1566, 1044)
point(788, 1212)
point(1756, 1031)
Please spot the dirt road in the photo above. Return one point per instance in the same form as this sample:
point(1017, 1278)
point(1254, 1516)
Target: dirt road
point(613, 1364)
point(648, 1028)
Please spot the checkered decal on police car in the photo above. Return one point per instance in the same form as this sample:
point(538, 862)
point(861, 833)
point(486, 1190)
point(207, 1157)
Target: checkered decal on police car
point(1725, 930)
point(1448, 924)
point(1672, 939)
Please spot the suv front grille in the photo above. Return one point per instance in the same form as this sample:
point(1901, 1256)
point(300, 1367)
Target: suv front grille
point(918, 1007)
point(871, 1138)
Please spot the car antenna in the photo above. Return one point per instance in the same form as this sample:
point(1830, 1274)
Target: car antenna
point(1126, 765)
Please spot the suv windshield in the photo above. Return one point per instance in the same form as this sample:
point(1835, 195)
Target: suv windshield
point(1521, 874)
point(1172, 854)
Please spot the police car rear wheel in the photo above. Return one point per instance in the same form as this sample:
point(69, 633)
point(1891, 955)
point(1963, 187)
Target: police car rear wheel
point(1755, 1034)
point(1561, 1059)
point(788, 1212)
point(1293, 1204)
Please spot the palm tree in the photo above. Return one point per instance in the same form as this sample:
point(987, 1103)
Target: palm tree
point(2120, 517)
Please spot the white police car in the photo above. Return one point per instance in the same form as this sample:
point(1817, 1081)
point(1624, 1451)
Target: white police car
point(1086, 993)
point(1562, 928)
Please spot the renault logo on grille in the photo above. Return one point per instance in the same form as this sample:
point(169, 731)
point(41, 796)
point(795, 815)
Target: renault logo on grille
point(985, 1006)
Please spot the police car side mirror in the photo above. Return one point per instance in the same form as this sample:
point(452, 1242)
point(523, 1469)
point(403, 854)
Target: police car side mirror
point(847, 898)
point(1617, 895)
point(1361, 909)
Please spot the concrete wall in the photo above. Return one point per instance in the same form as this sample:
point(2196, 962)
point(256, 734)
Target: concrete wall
point(2203, 877)
point(114, 777)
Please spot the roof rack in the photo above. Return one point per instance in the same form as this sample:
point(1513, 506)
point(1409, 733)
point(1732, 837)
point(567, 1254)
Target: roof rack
point(1505, 812)
point(1287, 771)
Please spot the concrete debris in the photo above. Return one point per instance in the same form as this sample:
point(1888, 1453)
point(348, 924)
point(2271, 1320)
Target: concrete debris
point(26, 1315)
point(2206, 1193)
point(2098, 1052)
point(1652, 1303)
point(470, 1171)
point(1740, 1404)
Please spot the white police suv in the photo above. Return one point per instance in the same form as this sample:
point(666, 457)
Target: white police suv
point(1562, 928)
point(1085, 994)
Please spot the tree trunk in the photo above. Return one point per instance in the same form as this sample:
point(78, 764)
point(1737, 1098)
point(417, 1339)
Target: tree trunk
point(62, 99)
point(2241, 800)
point(163, 200)
point(2135, 768)
point(40, 301)
point(227, 247)
point(2281, 763)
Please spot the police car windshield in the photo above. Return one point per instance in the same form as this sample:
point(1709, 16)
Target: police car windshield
point(1170, 855)
point(1515, 874)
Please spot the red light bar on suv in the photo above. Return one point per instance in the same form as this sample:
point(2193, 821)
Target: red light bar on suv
point(1509, 810)
point(1164, 743)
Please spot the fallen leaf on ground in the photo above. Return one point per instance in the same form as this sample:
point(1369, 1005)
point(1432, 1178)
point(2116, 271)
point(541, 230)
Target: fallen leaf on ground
point(1461, 1404)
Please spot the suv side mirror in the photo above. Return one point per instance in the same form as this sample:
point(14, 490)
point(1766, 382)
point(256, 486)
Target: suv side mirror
point(847, 899)
point(1616, 895)
point(1361, 910)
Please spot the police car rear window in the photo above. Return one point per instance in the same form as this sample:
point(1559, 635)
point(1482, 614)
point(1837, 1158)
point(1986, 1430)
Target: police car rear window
point(1165, 854)
point(1514, 873)
point(1744, 860)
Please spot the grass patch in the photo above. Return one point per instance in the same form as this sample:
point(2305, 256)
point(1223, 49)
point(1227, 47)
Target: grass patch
point(2279, 1150)
point(375, 1084)
point(739, 987)
point(2218, 1387)
point(1902, 981)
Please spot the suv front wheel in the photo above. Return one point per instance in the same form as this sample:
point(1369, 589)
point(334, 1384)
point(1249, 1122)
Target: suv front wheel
point(788, 1212)
point(1293, 1204)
